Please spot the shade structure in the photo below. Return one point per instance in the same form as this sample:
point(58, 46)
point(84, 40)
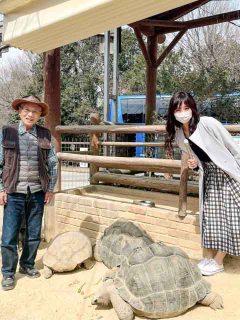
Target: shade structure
point(43, 25)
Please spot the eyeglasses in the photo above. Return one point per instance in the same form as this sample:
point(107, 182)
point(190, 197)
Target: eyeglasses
point(34, 113)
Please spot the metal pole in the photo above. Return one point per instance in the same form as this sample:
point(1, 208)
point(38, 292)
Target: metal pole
point(106, 74)
point(115, 82)
point(115, 73)
point(106, 83)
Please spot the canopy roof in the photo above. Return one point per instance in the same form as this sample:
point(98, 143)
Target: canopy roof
point(43, 25)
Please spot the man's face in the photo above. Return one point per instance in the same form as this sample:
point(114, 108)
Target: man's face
point(29, 113)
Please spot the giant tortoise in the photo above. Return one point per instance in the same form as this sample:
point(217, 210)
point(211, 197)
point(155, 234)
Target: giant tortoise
point(118, 241)
point(66, 252)
point(155, 281)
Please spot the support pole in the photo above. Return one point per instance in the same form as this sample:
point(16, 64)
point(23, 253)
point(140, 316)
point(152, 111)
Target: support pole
point(115, 73)
point(94, 146)
point(51, 79)
point(106, 83)
point(106, 74)
point(115, 83)
point(151, 78)
point(182, 207)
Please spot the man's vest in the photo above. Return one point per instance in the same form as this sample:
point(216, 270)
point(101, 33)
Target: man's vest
point(13, 175)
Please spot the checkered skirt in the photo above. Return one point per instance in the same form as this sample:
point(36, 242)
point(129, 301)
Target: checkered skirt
point(221, 210)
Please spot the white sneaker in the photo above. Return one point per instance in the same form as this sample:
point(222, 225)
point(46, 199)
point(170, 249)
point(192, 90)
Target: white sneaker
point(211, 268)
point(203, 262)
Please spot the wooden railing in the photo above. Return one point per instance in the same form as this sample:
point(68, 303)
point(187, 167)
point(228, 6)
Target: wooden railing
point(97, 161)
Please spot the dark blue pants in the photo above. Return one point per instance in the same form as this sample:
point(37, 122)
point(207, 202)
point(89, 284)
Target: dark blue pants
point(32, 205)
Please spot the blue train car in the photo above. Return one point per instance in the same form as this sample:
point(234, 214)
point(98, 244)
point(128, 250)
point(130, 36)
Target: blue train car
point(131, 110)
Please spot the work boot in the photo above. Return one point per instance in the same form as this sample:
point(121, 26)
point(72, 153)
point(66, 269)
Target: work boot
point(30, 272)
point(8, 282)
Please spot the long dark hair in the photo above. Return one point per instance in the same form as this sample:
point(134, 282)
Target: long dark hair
point(177, 99)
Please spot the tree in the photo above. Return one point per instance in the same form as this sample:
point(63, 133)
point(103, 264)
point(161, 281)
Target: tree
point(15, 78)
point(81, 81)
point(212, 52)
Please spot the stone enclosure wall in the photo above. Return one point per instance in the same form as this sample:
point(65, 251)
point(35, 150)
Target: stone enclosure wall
point(91, 212)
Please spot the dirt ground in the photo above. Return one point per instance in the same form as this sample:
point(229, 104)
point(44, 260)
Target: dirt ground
point(67, 296)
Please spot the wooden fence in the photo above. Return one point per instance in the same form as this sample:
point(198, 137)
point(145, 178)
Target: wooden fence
point(97, 161)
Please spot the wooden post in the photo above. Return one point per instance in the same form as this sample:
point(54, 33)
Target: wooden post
point(94, 146)
point(151, 79)
point(51, 79)
point(182, 208)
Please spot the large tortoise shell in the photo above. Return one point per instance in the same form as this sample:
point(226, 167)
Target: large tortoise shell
point(68, 250)
point(160, 281)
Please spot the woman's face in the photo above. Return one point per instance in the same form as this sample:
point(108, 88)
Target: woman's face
point(181, 108)
point(183, 113)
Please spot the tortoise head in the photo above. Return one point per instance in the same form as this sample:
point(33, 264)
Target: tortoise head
point(102, 295)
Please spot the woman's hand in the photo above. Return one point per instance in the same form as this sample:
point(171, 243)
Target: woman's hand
point(192, 163)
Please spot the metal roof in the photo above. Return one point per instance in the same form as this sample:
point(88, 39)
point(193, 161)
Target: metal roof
point(44, 25)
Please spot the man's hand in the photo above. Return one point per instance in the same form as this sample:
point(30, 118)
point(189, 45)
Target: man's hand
point(48, 197)
point(3, 198)
point(192, 163)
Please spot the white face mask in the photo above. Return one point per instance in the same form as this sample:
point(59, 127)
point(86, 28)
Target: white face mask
point(183, 116)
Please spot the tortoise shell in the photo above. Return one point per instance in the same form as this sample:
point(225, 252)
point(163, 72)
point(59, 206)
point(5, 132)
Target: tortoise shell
point(68, 250)
point(160, 281)
point(119, 240)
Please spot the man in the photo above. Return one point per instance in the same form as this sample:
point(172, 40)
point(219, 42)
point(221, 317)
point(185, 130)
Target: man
point(28, 173)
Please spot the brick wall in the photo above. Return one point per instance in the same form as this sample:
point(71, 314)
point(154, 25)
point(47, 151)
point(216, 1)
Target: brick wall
point(92, 215)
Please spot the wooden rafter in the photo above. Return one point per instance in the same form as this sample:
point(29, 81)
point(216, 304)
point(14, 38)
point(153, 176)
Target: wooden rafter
point(218, 18)
point(147, 28)
point(163, 26)
point(170, 47)
point(161, 23)
point(143, 46)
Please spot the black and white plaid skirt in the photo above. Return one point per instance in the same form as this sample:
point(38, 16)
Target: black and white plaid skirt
point(221, 210)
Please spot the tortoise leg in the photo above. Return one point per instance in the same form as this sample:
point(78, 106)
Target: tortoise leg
point(47, 272)
point(122, 308)
point(88, 264)
point(96, 250)
point(213, 300)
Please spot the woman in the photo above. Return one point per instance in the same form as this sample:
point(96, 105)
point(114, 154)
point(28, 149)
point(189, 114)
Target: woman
point(217, 158)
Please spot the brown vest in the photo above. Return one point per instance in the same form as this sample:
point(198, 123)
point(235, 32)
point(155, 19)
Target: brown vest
point(11, 151)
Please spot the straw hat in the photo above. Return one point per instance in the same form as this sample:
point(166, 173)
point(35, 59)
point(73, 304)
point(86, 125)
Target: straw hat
point(17, 102)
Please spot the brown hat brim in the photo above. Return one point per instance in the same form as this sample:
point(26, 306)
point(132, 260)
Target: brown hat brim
point(16, 103)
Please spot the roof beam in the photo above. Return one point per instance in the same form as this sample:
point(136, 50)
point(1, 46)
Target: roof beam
point(165, 27)
point(218, 18)
point(161, 23)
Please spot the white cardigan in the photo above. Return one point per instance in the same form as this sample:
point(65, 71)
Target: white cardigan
point(211, 136)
